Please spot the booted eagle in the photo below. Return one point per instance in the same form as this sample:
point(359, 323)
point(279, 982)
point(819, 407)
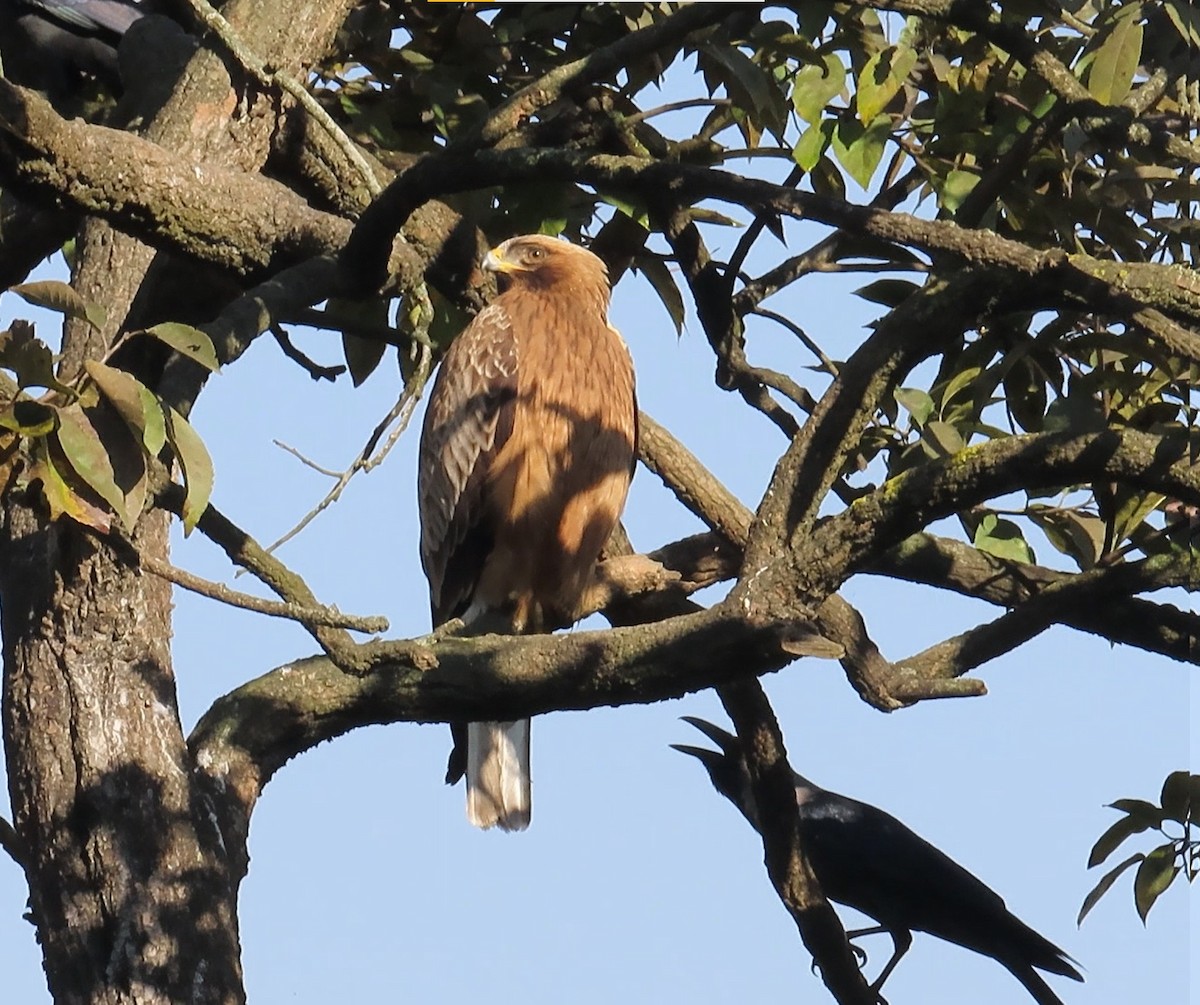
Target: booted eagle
point(526, 457)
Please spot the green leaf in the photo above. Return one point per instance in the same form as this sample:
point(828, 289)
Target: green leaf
point(197, 468)
point(1003, 539)
point(134, 402)
point(813, 142)
point(748, 85)
point(918, 403)
point(1106, 881)
point(61, 500)
point(702, 214)
point(889, 292)
point(860, 150)
point(1132, 508)
point(940, 439)
point(88, 455)
point(29, 418)
point(1154, 875)
point(881, 79)
point(58, 296)
point(362, 355)
point(659, 276)
point(816, 85)
point(1111, 74)
point(1078, 535)
point(1186, 20)
point(1025, 395)
point(188, 341)
point(29, 358)
point(634, 209)
point(1147, 812)
point(1177, 796)
point(1111, 839)
point(955, 188)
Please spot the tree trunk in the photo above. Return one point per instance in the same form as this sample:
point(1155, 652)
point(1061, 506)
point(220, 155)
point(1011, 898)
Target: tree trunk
point(131, 890)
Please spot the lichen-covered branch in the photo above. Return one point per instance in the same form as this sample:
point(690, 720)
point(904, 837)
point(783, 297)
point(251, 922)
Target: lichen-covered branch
point(1115, 614)
point(856, 538)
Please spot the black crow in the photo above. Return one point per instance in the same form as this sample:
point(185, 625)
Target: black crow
point(867, 859)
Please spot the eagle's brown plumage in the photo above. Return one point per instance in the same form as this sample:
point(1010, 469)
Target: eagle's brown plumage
point(526, 456)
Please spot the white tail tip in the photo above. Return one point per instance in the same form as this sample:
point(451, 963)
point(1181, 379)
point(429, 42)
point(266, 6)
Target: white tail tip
point(498, 780)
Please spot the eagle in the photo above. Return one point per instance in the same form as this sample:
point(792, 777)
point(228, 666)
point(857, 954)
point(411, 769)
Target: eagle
point(526, 455)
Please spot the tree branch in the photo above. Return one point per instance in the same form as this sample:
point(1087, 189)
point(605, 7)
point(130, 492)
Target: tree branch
point(326, 617)
point(905, 504)
point(774, 795)
point(596, 65)
point(250, 733)
point(954, 565)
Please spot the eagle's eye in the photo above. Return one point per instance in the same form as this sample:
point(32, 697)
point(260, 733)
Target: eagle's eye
point(536, 253)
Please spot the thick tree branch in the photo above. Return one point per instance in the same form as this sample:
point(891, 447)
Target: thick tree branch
point(1120, 617)
point(692, 483)
point(241, 222)
point(250, 733)
point(919, 327)
point(856, 538)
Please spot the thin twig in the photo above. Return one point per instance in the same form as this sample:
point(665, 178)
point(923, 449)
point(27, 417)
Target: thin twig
point(827, 364)
point(402, 410)
point(307, 461)
point(757, 225)
point(678, 106)
point(315, 370)
point(325, 617)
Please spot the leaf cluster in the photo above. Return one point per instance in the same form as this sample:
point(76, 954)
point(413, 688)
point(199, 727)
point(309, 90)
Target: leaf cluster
point(1176, 818)
point(91, 445)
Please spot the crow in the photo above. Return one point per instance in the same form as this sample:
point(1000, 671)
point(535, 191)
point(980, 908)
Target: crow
point(867, 859)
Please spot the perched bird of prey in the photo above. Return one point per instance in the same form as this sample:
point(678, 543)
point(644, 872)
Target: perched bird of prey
point(867, 859)
point(526, 457)
point(47, 40)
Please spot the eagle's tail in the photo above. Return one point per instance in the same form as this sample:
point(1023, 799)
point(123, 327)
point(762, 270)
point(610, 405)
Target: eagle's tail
point(498, 780)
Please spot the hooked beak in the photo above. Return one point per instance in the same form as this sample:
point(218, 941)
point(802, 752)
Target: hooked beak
point(494, 261)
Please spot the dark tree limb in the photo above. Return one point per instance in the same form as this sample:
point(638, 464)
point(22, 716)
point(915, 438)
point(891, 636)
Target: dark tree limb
point(774, 793)
point(883, 518)
point(1115, 614)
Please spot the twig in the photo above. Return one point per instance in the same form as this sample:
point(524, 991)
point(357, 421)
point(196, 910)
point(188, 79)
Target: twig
point(246, 553)
point(326, 617)
point(828, 365)
point(307, 462)
point(757, 225)
point(678, 106)
point(549, 87)
point(402, 410)
point(315, 370)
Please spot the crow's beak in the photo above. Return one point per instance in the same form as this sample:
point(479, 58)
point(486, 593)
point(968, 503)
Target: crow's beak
point(723, 739)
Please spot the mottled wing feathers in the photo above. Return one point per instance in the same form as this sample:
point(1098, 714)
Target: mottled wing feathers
point(469, 419)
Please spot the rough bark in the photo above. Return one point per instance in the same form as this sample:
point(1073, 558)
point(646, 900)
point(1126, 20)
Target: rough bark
point(130, 888)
